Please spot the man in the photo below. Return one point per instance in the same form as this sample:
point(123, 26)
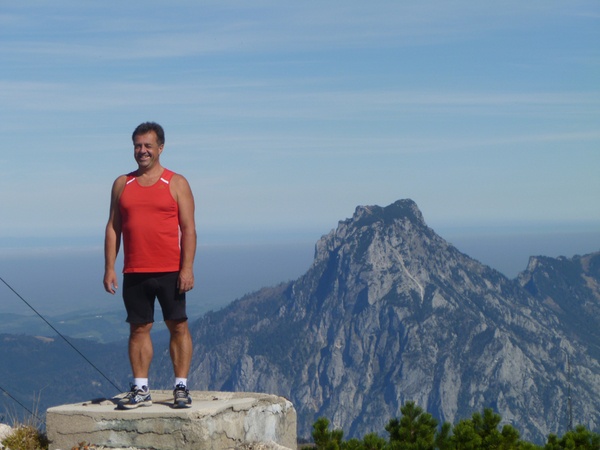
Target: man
point(153, 209)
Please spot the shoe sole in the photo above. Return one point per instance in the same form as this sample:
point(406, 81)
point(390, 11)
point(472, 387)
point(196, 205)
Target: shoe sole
point(137, 405)
point(181, 404)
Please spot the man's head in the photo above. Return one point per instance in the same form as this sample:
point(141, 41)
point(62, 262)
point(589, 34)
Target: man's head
point(146, 127)
point(148, 143)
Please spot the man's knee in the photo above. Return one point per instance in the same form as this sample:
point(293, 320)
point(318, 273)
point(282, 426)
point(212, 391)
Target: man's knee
point(177, 327)
point(139, 329)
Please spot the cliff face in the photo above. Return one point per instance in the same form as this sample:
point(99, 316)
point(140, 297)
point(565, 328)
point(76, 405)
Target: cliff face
point(391, 312)
point(571, 289)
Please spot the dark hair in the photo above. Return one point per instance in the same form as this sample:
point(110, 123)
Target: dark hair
point(146, 127)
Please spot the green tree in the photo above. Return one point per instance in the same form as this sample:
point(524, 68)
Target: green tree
point(352, 444)
point(416, 430)
point(443, 438)
point(578, 439)
point(524, 445)
point(464, 436)
point(325, 439)
point(486, 426)
point(373, 441)
point(482, 432)
point(510, 438)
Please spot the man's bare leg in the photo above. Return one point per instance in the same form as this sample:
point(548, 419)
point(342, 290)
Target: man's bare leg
point(180, 347)
point(140, 349)
point(140, 356)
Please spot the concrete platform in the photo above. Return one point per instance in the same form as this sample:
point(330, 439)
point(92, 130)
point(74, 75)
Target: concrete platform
point(215, 421)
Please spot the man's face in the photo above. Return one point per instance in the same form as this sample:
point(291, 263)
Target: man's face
point(146, 150)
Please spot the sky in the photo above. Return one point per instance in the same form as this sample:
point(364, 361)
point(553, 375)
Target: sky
point(285, 116)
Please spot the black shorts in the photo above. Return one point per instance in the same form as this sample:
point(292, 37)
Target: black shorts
point(140, 290)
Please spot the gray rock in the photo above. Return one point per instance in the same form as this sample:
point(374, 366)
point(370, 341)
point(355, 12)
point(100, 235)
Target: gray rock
point(215, 421)
point(390, 312)
point(5, 432)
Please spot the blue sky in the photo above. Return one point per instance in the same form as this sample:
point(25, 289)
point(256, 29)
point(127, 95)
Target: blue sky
point(284, 116)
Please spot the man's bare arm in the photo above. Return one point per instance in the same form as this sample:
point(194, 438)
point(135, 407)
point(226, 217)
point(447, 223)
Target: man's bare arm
point(112, 238)
point(185, 202)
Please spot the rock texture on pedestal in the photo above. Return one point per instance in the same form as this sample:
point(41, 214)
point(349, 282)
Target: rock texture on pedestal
point(216, 421)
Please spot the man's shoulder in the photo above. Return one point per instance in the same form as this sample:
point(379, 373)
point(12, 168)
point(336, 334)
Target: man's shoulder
point(180, 188)
point(178, 179)
point(126, 177)
point(121, 179)
point(120, 183)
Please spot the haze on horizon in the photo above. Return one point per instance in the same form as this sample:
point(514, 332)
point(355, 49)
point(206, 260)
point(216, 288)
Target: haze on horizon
point(284, 117)
point(67, 280)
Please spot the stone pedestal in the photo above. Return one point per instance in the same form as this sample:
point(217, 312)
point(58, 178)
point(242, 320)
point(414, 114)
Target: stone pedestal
point(216, 421)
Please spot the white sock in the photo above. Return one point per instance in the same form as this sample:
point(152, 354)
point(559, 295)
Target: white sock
point(180, 381)
point(141, 382)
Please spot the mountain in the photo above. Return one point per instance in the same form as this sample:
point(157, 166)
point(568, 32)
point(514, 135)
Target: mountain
point(390, 312)
point(571, 289)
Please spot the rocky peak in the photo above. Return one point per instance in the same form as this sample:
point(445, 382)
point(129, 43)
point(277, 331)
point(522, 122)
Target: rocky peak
point(400, 210)
point(389, 312)
point(368, 221)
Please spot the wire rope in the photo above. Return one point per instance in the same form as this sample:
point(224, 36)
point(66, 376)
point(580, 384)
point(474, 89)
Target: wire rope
point(21, 404)
point(65, 339)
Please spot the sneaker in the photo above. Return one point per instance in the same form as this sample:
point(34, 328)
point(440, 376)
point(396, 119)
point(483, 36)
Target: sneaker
point(135, 397)
point(181, 397)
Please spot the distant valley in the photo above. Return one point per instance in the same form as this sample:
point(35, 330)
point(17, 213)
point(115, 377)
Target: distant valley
point(101, 327)
point(98, 326)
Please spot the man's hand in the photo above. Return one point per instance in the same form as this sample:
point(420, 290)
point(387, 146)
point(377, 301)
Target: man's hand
point(186, 281)
point(110, 281)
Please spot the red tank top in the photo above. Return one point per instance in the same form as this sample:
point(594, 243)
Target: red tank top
point(150, 226)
